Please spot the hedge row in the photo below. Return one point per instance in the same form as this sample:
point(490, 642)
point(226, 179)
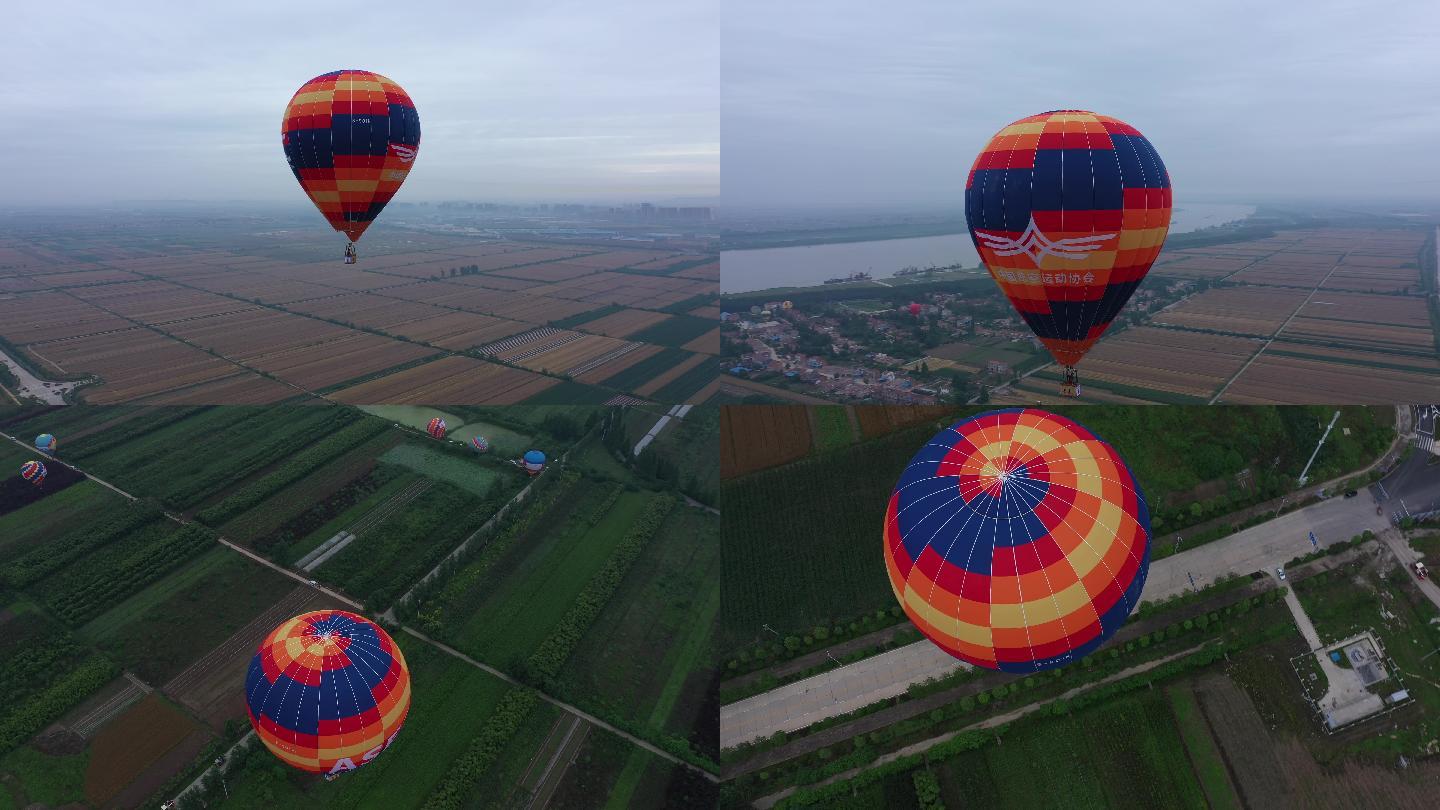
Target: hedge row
point(612, 494)
point(466, 770)
point(51, 557)
point(297, 467)
point(43, 709)
point(927, 790)
point(81, 598)
point(547, 659)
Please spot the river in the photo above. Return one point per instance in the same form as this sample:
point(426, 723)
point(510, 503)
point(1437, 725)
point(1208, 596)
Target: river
point(806, 265)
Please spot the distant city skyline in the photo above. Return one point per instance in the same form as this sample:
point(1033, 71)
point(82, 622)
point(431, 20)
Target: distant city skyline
point(848, 104)
point(559, 101)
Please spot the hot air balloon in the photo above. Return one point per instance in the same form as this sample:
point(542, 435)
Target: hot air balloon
point(1068, 210)
point(534, 461)
point(436, 428)
point(1017, 540)
point(480, 444)
point(351, 137)
point(34, 472)
point(46, 443)
point(914, 309)
point(327, 691)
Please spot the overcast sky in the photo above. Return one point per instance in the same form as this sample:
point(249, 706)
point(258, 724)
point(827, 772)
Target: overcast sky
point(888, 103)
point(535, 100)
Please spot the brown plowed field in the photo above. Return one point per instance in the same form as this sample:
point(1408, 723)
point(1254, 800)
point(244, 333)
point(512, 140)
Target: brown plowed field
point(706, 312)
point(127, 745)
point(1424, 363)
point(663, 262)
point(155, 302)
point(756, 437)
point(495, 282)
point(364, 309)
point(610, 368)
point(878, 420)
point(564, 357)
point(549, 271)
point(36, 317)
point(1192, 265)
point(80, 277)
point(609, 260)
point(1192, 363)
point(244, 388)
point(1244, 310)
point(1393, 309)
point(624, 322)
point(1374, 279)
point(459, 330)
point(1273, 379)
point(260, 287)
point(134, 363)
point(449, 381)
point(705, 272)
point(254, 334)
point(352, 355)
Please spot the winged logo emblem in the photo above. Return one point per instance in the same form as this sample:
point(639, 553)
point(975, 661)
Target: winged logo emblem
point(1037, 245)
point(405, 153)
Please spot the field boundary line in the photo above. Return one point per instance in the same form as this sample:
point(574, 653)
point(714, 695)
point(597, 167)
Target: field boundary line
point(1276, 334)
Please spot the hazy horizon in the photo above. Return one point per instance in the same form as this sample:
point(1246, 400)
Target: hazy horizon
point(1244, 102)
point(560, 101)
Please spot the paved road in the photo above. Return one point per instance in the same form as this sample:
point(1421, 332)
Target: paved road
point(1407, 557)
point(803, 703)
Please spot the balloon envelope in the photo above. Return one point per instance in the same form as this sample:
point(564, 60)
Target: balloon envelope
point(1068, 210)
point(436, 428)
point(327, 691)
point(45, 442)
point(480, 444)
point(351, 137)
point(534, 457)
point(1017, 540)
point(33, 471)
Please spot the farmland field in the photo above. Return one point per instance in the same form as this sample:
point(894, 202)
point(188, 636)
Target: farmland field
point(270, 315)
point(95, 584)
point(754, 437)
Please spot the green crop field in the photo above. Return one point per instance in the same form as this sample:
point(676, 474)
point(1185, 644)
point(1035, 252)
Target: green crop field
point(535, 588)
point(646, 369)
point(677, 330)
point(689, 383)
point(68, 512)
point(471, 474)
point(386, 559)
point(832, 427)
point(668, 602)
point(238, 443)
point(160, 631)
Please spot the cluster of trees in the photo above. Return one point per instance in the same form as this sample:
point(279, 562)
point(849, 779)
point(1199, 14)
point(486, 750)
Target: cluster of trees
point(39, 711)
point(927, 790)
point(749, 659)
point(297, 467)
point(544, 664)
point(86, 593)
point(612, 494)
point(238, 462)
point(48, 558)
